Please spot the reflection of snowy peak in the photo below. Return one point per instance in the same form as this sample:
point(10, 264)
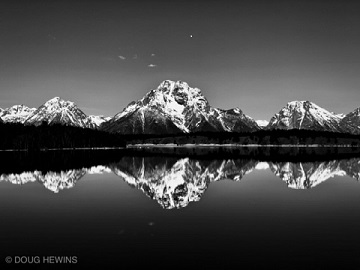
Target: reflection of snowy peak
point(54, 181)
point(176, 183)
point(175, 107)
point(98, 170)
point(227, 169)
point(59, 111)
point(172, 187)
point(16, 114)
point(19, 179)
point(306, 175)
point(351, 167)
point(305, 115)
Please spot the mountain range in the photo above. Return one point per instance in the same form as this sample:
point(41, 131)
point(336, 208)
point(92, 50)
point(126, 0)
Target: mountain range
point(53, 111)
point(175, 107)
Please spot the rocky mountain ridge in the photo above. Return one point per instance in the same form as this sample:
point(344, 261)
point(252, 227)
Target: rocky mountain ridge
point(176, 108)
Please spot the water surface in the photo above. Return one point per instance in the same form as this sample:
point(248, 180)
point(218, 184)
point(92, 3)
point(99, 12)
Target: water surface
point(191, 208)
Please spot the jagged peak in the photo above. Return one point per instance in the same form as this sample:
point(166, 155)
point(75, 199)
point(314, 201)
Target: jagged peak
point(169, 84)
point(166, 84)
point(298, 102)
point(173, 87)
point(55, 99)
point(301, 103)
point(59, 101)
point(174, 94)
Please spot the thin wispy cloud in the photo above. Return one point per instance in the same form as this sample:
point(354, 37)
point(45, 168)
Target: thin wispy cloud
point(152, 65)
point(122, 57)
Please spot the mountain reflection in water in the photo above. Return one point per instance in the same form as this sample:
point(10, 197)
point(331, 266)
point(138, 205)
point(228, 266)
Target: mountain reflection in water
point(174, 182)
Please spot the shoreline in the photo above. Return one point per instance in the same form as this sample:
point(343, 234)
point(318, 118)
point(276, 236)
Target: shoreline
point(239, 145)
point(60, 149)
point(130, 146)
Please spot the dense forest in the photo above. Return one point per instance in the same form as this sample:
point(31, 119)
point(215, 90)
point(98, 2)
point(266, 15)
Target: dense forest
point(263, 137)
point(18, 136)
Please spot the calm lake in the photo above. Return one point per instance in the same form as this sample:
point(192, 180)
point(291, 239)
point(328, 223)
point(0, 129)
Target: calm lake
point(190, 208)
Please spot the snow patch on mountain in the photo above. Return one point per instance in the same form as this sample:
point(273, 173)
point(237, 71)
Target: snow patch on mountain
point(97, 120)
point(262, 123)
point(306, 175)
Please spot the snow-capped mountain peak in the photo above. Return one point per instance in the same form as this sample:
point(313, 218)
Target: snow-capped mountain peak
point(175, 107)
point(57, 110)
point(177, 100)
point(305, 115)
point(58, 102)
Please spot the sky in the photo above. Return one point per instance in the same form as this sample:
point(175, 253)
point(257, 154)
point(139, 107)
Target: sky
point(255, 55)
